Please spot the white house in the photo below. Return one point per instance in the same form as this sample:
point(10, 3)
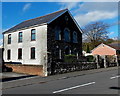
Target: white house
point(30, 42)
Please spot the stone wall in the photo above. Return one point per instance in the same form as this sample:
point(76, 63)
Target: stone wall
point(62, 67)
point(27, 69)
point(52, 43)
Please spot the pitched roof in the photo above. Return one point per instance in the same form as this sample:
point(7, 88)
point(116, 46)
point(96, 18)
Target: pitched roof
point(37, 21)
point(115, 45)
point(102, 44)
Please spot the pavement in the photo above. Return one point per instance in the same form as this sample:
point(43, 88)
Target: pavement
point(30, 80)
point(9, 76)
point(101, 81)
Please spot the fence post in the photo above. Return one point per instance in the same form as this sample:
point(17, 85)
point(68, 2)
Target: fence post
point(97, 61)
point(105, 63)
point(116, 58)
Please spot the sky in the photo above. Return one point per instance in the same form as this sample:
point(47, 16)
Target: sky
point(14, 13)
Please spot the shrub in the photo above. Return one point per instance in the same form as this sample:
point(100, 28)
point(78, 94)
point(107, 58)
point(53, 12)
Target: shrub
point(70, 58)
point(82, 59)
point(90, 58)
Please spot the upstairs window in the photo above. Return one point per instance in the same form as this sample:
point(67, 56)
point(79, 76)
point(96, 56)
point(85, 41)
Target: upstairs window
point(75, 37)
point(57, 33)
point(33, 34)
point(20, 37)
point(33, 53)
point(67, 35)
point(20, 53)
point(9, 54)
point(9, 39)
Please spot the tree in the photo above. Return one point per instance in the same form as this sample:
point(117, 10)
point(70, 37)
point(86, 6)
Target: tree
point(88, 49)
point(96, 32)
point(108, 41)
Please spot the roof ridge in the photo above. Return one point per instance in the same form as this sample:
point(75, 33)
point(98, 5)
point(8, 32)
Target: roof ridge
point(46, 15)
point(39, 20)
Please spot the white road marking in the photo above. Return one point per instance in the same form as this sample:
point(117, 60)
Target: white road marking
point(114, 77)
point(73, 87)
point(62, 78)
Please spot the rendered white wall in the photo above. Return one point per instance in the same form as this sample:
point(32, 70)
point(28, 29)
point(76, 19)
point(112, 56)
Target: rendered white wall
point(40, 45)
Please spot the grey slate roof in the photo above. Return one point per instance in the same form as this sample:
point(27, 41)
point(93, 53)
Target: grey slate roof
point(36, 21)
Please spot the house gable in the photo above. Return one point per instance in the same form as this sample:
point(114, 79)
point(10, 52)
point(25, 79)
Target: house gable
point(103, 49)
point(56, 29)
point(63, 24)
point(71, 18)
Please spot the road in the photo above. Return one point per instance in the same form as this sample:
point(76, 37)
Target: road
point(105, 82)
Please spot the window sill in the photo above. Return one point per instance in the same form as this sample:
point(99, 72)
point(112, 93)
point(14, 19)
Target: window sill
point(33, 59)
point(33, 40)
point(19, 59)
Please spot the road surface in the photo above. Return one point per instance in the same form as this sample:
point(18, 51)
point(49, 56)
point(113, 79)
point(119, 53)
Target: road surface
point(105, 82)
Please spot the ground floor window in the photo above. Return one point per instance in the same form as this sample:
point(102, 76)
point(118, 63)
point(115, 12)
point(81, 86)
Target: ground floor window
point(57, 52)
point(67, 50)
point(20, 53)
point(33, 53)
point(75, 51)
point(9, 54)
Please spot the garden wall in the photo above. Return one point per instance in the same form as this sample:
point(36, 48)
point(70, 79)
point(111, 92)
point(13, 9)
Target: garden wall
point(27, 69)
point(62, 67)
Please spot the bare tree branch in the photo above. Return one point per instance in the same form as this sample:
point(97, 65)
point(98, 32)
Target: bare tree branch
point(96, 32)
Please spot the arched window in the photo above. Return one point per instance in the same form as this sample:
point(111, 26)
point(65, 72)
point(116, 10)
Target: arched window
point(57, 51)
point(75, 37)
point(67, 50)
point(67, 35)
point(75, 51)
point(57, 33)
